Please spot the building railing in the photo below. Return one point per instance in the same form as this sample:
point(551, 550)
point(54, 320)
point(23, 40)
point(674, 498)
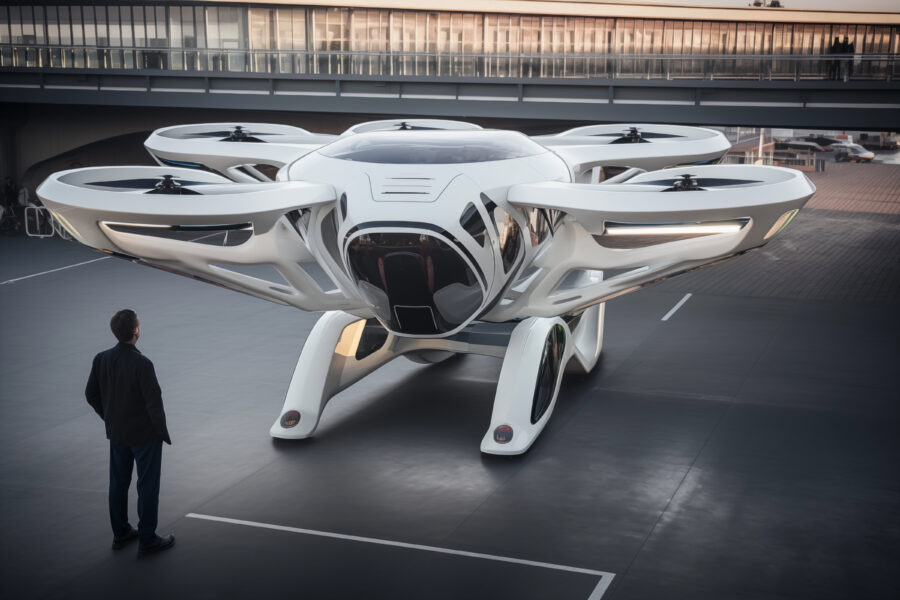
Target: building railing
point(871, 67)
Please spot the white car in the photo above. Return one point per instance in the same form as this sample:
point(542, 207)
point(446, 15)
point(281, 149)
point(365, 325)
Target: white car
point(851, 153)
point(425, 238)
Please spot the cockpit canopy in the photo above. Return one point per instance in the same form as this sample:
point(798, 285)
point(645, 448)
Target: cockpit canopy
point(432, 147)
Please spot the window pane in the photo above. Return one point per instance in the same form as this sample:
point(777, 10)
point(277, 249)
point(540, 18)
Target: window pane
point(127, 25)
point(140, 33)
point(299, 29)
point(15, 24)
point(176, 35)
point(52, 26)
point(212, 28)
point(200, 27)
point(285, 25)
point(65, 28)
point(188, 33)
point(4, 26)
point(149, 24)
point(90, 31)
point(77, 28)
point(39, 24)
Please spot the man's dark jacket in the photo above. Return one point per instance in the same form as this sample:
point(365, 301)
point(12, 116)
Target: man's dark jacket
point(123, 389)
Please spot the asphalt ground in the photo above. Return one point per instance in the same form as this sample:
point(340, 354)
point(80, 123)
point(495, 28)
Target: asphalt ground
point(747, 447)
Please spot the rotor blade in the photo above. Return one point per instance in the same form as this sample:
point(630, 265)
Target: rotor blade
point(630, 140)
point(139, 184)
point(203, 134)
point(654, 134)
point(648, 134)
point(219, 134)
point(179, 191)
point(701, 181)
point(248, 138)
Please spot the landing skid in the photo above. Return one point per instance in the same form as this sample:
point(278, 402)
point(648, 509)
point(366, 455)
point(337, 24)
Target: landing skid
point(535, 354)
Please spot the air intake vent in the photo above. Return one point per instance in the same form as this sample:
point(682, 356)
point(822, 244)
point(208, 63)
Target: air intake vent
point(407, 188)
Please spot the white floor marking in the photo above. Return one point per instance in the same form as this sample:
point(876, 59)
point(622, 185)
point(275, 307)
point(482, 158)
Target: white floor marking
point(677, 306)
point(53, 270)
point(596, 594)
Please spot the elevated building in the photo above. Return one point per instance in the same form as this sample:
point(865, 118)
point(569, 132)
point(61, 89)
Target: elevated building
point(573, 60)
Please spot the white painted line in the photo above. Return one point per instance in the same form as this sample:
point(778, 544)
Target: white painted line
point(738, 103)
point(258, 92)
point(677, 306)
point(429, 96)
point(596, 594)
point(666, 102)
point(370, 95)
point(185, 90)
point(488, 98)
point(296, 93)
point(568, 100)
point(54, 270)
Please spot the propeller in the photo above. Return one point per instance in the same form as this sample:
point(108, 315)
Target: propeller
point(238, 134)
point(166, 185)
point(635, 136)
point(688, 183)
point(404, 126)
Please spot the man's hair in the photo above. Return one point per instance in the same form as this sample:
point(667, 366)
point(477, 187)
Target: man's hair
point(123, 324)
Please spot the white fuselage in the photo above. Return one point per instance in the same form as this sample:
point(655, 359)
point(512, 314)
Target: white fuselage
point(447, 221)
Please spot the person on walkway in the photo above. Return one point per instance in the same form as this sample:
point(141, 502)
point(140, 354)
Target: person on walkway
point(850, 49)
point(844, 50)
point(123, 389)
point(8, 200)
point(834, 64)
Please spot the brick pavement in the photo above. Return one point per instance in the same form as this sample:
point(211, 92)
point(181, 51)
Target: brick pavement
point(844, 245)
point(872, 188)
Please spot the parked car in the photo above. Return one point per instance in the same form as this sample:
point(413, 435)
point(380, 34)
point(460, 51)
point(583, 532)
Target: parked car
point(852, 153)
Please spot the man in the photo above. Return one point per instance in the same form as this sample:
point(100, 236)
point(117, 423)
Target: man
point(123, 389)
point(834, 64)
point(8, 200)
point(850, 50)
point(845, 49)
point(10, 192)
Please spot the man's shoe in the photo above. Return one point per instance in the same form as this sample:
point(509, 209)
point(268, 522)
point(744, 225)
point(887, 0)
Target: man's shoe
point(158, 544)
point(120, 541)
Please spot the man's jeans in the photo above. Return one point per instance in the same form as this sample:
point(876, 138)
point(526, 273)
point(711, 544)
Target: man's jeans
point(149, 460)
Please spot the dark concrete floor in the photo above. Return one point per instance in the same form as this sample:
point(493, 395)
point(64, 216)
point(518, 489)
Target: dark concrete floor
point(746, 448)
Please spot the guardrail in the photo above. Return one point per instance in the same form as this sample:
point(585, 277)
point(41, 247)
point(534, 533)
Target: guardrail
point(871, 67)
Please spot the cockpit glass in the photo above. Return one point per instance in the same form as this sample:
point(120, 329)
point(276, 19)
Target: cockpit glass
point(432, 147)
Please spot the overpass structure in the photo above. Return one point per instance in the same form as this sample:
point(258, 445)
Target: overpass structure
point(572, 60)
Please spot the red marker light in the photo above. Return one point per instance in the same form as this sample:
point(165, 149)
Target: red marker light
point(290, 419)
point(503, 434)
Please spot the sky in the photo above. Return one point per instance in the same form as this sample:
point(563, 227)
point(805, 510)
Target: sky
point(875, 5)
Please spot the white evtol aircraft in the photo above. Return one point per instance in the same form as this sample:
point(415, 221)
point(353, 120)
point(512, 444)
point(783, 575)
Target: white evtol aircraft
point(426, 238)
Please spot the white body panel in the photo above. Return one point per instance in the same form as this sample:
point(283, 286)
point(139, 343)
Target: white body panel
point(425, 238)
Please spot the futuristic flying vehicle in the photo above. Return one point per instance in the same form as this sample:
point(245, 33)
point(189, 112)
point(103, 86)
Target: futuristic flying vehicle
point(427, 238)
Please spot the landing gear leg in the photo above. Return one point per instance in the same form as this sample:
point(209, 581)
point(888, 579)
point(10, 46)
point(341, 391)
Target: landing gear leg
point(529, 384)
point(587, 339)
point(341, 349)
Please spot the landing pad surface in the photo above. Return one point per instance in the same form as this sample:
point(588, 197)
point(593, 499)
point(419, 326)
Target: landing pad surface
point(747, 446)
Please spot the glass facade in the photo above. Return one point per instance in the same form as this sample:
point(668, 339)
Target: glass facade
point(384, 42)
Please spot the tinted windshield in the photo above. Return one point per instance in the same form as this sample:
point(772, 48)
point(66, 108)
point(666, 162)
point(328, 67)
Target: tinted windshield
point(432, 147)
